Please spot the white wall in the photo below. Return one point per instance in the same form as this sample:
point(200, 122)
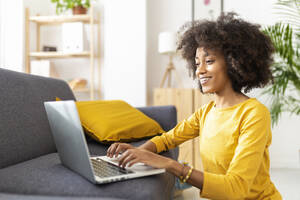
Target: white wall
point(125, 51)
point(11, 37)
point(255, 11)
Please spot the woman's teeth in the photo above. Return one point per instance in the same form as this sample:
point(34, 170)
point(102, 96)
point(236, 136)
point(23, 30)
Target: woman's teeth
point(204, 80)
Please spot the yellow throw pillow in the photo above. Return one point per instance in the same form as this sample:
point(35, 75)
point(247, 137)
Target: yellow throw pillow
point(115, 120)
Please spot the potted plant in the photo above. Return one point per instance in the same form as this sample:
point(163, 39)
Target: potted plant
point(285, 90)
point(77, 6)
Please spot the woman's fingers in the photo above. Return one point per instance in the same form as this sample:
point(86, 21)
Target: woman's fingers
point(122, 158)
point(111, 150)
point(119, 149)
point(132, 162)
point(132, 156)
point(126, 158)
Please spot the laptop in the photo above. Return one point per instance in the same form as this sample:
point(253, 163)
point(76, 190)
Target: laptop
point(73, 151)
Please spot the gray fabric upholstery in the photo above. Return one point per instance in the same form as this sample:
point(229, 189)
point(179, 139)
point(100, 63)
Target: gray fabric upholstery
point(166, 116)
point(24, 128)
point(46, 176)
point(6, 196)
point(29, 165)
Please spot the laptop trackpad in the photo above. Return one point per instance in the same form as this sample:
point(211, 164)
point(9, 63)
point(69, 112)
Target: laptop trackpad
point(140, 167)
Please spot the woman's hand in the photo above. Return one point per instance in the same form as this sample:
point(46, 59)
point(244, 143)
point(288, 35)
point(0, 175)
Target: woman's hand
point(117, 148)
point(135, 155)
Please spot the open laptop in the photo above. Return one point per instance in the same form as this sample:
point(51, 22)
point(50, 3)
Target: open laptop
point(73, 151)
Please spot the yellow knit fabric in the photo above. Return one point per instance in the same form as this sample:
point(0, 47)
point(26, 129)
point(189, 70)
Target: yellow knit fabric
point(110, 121)
point(234, 144)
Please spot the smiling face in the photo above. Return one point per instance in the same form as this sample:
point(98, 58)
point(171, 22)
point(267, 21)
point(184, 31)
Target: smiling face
point(211, 71)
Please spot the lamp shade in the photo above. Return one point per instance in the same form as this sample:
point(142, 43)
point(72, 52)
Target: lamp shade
point(167, 42)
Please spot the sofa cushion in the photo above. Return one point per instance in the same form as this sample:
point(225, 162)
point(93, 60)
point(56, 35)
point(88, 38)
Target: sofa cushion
point(109, 121)
point(46, 176)
point(24, 128)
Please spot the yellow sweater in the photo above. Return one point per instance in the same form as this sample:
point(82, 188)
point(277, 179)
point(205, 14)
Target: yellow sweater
point(234, 144)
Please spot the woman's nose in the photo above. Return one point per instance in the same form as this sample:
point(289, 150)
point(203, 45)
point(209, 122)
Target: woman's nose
point(200, 69)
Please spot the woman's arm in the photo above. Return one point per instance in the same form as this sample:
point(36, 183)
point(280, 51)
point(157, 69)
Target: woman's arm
point(135, 155)
point(150, 146)
point(185, 130)
point(147, 153)
point(196, 178)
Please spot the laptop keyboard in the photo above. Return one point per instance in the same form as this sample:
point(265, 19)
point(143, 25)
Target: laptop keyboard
point(105, 169)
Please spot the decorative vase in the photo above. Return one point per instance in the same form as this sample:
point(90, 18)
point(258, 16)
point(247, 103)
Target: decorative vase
point(79, 10)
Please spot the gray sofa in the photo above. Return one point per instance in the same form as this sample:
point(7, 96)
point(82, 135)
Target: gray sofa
point(29, 164)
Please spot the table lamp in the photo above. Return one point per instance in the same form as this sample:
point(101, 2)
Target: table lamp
point(167, 46)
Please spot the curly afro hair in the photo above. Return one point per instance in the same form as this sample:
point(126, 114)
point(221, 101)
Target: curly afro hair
point(247, 50)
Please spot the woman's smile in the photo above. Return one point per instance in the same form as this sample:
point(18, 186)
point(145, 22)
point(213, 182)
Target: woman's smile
point(204, 80)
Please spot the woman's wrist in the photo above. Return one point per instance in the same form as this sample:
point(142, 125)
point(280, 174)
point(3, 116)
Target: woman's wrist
point(175, 167)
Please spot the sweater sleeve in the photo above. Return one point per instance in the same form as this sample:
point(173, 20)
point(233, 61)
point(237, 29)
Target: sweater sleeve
point(183, 131)
point(255, 134)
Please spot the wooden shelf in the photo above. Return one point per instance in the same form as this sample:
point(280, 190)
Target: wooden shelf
point(57, 54)
point(88, 19)
point(61, 19)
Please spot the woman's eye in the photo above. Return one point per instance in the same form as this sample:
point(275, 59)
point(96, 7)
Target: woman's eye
point(210, 61)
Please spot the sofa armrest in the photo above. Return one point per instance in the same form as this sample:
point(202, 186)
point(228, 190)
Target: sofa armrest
point(166, 116)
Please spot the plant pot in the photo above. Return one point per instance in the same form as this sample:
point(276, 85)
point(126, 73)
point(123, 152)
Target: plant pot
point(79, 10)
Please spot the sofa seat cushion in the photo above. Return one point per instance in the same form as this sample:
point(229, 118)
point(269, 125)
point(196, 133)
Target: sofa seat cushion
point(7, 196)
point(46, 175)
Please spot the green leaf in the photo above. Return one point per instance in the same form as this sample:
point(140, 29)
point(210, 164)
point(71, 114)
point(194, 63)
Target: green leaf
point(286, 68)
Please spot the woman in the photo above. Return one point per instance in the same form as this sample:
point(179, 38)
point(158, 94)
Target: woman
point(227, 56)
